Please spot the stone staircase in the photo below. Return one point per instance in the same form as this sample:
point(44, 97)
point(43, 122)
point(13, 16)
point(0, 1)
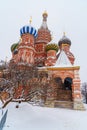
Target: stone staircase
point(59, 104)
point(64, 104)
point(49, 104)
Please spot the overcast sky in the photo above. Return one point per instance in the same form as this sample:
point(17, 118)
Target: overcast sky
point(63, 15)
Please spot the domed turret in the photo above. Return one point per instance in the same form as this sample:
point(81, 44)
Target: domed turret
point(52, 46)
point(26, 51)
point(64, 44)
point(28, 35)
point(14, 49)
point(51, 50)
point(28, 29)
point(64, 40)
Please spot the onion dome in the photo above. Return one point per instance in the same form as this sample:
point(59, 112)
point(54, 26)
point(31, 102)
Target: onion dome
point(45, 14)
point(52, 46)
point(28, 29)
point(14, 49)
point(64, 40)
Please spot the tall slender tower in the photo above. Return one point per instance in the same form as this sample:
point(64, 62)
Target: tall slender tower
point(26, 51)
point(43, 38)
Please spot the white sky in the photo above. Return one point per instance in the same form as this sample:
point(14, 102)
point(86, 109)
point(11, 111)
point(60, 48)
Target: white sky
point(63, 15)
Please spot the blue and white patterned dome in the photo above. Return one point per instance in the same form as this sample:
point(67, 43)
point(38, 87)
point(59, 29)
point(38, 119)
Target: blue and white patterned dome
point(28, 29)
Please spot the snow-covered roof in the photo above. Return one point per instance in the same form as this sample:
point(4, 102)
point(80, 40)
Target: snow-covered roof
point(63, 60)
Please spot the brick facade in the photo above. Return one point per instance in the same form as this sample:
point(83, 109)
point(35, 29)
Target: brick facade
point(56, 86)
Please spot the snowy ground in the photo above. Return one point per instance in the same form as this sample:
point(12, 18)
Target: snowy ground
point(28, 117)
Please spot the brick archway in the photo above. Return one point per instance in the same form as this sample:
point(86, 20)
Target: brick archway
point(61, 93)
point(58, 81)
point(68, 81)
point(63, 74)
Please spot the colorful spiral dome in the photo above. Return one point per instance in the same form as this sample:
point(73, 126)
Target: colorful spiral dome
point(64, 40)
point(14, 47)
point(52, 46)
point(28, 29)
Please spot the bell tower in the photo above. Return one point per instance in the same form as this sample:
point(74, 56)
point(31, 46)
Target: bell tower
point(42, 39)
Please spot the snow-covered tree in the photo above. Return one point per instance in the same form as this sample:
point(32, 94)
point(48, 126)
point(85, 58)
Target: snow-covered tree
point(84, 92)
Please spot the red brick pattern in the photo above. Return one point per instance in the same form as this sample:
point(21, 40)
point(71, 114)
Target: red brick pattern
point(32, 51)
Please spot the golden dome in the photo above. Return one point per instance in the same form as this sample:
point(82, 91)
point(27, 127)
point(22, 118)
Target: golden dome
point(45, 13)
point(52, 46)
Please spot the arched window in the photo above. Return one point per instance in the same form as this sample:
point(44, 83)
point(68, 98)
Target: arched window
point(68, 83)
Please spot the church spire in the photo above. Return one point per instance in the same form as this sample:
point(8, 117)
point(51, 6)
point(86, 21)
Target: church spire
point(64, 34)
point(45, 15)
point(44, 22)
point(30, 20)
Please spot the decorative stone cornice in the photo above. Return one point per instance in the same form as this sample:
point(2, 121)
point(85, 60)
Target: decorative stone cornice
point(64, 68)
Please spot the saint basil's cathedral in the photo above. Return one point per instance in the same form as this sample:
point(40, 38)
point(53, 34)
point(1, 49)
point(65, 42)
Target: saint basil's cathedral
point(57, 83)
